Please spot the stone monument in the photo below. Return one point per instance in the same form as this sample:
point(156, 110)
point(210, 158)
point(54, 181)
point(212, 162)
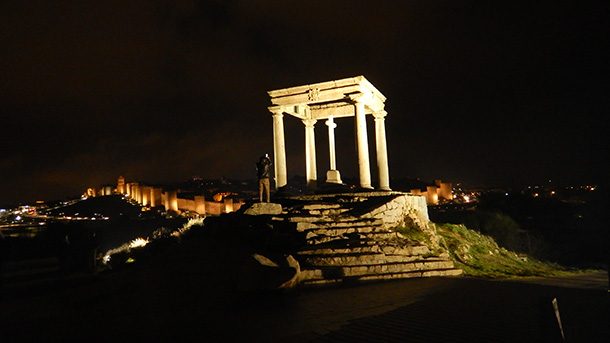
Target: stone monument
point(350, 97)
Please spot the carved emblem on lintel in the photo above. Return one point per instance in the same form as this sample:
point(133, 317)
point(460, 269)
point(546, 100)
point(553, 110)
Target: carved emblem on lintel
point(313, 94)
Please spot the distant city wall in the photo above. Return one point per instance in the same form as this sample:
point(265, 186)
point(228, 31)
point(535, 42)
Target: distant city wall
point(436, 193)
point(170, 200)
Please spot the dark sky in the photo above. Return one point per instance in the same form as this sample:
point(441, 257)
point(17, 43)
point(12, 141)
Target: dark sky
point(486, 93)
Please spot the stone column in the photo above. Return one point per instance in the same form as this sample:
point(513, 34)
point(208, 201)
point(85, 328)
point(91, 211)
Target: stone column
point(310, 152)
point(382, 150)
point(333, 175)
point(362, 141)
point(279, 147)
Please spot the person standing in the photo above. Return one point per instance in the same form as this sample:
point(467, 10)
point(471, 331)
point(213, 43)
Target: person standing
point(263, 171)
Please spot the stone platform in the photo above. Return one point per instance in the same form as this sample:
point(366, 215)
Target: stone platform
point(352, 237)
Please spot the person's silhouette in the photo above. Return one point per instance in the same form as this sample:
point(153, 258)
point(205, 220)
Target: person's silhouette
point(263, 172)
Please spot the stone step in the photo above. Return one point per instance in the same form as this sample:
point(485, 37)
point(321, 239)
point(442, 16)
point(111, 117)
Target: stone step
point(346, 246)
point(372, 236)
point(375, 269)
point(317, 240)
point(343, 259)
point(308, 225)
point(345, 231)
point(408, 250)
point(426, 273)
point(321, 212)
point(382, 277)
point(402, 258)
point(346, 250)
point(380, 235)
point(321, 206)
point(355, 259)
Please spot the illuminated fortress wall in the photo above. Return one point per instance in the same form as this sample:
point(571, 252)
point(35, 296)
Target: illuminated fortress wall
point(120, 185)
point(199, 204)
point(445, 190)
point(152, 196)
point(155, 197)
point(170, 200)
point(186, 204)
point(146, 192)
point(433, 194)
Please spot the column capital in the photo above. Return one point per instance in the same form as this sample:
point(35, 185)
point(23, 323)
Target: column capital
point(330, 123)
point(309, 122)
point(276, 110)
point(380, 114)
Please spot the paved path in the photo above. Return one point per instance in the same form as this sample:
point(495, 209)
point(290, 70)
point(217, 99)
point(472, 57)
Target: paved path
point(419, 310)
point(470, 310)
point(193, 297)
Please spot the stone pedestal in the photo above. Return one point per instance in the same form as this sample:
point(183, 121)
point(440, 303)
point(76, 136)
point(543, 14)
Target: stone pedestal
point(333, 176)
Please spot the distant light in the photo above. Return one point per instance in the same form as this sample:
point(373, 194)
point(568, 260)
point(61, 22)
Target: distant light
point(535, 195)
point(18, 218)
point(552, 192)
point(138, 242)
point(506, 194)
point(466, 198)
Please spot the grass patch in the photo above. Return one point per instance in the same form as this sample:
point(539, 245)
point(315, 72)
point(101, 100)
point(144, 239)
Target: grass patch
point(414, 234)
point(480, 255)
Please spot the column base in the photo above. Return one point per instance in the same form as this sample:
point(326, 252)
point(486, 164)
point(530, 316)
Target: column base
point(333, 176)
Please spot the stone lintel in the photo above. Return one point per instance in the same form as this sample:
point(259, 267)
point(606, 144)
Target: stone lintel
point(330, 91)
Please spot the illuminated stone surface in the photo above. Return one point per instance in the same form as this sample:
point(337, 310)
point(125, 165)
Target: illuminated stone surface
point(352, 237)
point(260, 208)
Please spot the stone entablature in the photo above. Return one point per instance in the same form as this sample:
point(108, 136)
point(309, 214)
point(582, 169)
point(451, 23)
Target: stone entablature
point(350, 97)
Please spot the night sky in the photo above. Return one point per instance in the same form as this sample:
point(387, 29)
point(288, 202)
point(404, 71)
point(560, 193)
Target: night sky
point(484, 93)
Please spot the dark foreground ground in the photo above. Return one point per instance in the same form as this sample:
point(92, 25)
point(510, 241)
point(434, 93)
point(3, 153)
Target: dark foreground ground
point(195, 296)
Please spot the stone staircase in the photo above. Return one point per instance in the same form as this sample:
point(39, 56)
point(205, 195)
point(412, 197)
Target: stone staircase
point(349, 240)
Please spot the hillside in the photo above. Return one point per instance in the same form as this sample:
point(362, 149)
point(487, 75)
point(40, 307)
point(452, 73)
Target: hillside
point(480, 255)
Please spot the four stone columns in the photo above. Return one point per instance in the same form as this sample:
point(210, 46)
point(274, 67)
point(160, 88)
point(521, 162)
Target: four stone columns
point(279, 148)
point(310, 152)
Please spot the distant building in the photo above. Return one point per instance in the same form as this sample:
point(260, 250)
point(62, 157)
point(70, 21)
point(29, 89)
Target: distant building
point(439, 192)
point(120, 185)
